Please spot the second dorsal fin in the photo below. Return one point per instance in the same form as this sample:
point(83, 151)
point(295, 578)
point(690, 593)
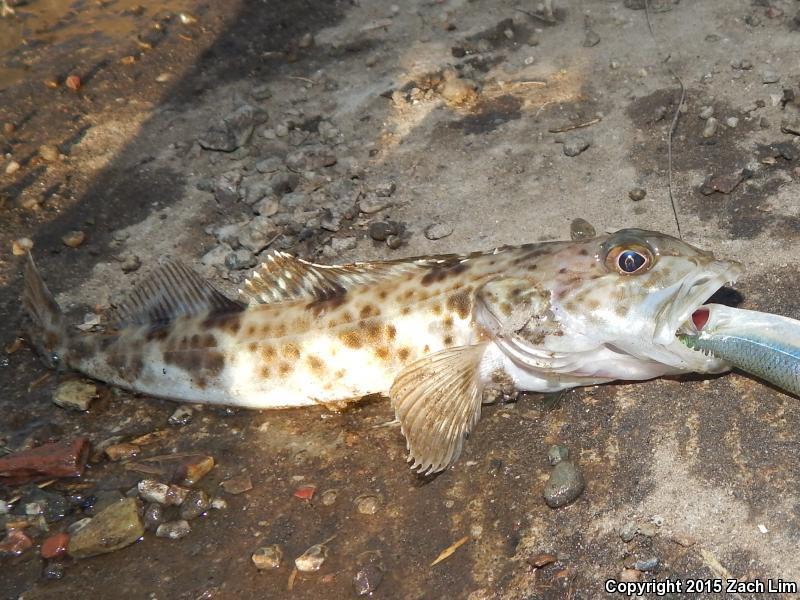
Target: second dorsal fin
point(284, 278)
point(171, 291)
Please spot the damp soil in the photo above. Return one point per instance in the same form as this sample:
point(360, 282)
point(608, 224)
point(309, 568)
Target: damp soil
point(701, 466)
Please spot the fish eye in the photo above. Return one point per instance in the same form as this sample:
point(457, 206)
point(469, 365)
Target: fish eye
point(629, 260)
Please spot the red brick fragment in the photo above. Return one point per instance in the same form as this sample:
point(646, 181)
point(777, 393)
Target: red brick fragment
point(48, 461)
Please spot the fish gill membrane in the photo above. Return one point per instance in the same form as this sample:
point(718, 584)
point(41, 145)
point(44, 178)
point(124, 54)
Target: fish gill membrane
point(429, 332)
point(761, 344)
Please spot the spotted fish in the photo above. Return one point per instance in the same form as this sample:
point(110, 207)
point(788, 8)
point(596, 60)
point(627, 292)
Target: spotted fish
point(430, 332)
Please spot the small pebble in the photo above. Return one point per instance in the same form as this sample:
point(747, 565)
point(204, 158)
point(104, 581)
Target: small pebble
point(367, 579)
point(711, 128)
point(566, 483)
point(174, 530)
point(556, 454)
point(381, 230)
point(575, 144)
point(591, 39)
point(267, 557)
point(312, 559)
point(237, 485)
point(394, 242)
point(124, 451)
point(732, 122)
point(182, 416)
point(628, 531)
point(647, 564)
point(368, 504)
point(74, 239)
point(55, 546)
point(53, 571)
point(21, 246)
point(193, 469)
point(9, 128)
point(706, 112)
point(12, 167)
point(581, 229)
point(195, 505)
point(306, 41)
point(153, 516)
point(49, 153)
point(770, 76)
point(115, 527)
point(131, 263)
point(637, 194)
point(371, 204)
point(329, 497)
point(542, 560)
point(438, 231)
point(73, 82)
point(75, 395)
point(168, 495)
point(219, 503)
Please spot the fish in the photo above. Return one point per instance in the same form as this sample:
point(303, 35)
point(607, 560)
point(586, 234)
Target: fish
point(431, 332)
point(762, 344)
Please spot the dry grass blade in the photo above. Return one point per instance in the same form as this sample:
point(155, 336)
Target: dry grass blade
point(448, 552)
point(576, 126)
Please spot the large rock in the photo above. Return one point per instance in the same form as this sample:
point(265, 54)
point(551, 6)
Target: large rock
point(117, 526)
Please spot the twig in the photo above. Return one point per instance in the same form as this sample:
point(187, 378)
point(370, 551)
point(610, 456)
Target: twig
point(674, 120)
point(576, 126)
point(447, 552)
point(306, 79)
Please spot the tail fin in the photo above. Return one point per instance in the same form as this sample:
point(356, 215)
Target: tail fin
point(47, 329)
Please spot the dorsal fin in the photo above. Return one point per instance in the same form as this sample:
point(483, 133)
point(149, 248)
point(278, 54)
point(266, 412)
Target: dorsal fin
point(172, 290)
point(283, 278)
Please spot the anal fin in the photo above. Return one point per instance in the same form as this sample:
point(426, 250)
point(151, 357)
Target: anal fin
point(437, 400)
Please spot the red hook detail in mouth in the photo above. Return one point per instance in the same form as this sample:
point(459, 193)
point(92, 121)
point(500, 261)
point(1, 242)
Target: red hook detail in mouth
point(700, 318)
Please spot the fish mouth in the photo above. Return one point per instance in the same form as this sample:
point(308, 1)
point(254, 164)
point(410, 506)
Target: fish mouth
point(686, 313)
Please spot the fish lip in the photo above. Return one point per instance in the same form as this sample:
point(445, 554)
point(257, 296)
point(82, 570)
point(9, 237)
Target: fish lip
point(694, 293)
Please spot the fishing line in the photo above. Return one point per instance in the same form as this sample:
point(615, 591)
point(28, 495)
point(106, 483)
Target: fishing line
point(674, 117)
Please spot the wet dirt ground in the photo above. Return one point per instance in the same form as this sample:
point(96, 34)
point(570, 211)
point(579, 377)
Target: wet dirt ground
point(706, 469)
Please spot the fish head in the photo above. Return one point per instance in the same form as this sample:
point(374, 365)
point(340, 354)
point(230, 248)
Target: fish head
point(640, 289)
point(606, 308)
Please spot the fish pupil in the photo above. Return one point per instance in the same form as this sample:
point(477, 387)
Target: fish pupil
point(631, 261)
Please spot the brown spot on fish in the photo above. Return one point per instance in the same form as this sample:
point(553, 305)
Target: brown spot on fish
point(316, 364)
point(583, 252)
point(442, 272)
point(268, 353)
point(280, 330)
point(383, 294)
point(426, 349)
point(369, 311)
point(460, 303)
point(506, 308)
point(157, 332)
point(201, 382)
point(382, 353)
point(373, 331)
point(340, 373)
point(447, 322)
point(250, 331)
point(436, 309)
point(351, 339)
point(562, 270)
point(264, 372)
point(291, 351)
point(593, 304)
point(448, 340)
point(284, 369)
point(252, 347)
point(391, 332)
point(403, 353)
point(229, 321)
point(405, 310)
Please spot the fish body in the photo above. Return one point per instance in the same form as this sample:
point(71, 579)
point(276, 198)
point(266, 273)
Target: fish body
point(762, 344)
point(430, 332)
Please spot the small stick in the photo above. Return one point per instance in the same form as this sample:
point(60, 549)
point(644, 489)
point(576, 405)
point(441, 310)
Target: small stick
point(448, 552)
point(38, 381)
point(576, 126)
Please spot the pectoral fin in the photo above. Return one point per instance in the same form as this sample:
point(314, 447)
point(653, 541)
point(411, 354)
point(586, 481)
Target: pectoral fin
point(437, 400)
